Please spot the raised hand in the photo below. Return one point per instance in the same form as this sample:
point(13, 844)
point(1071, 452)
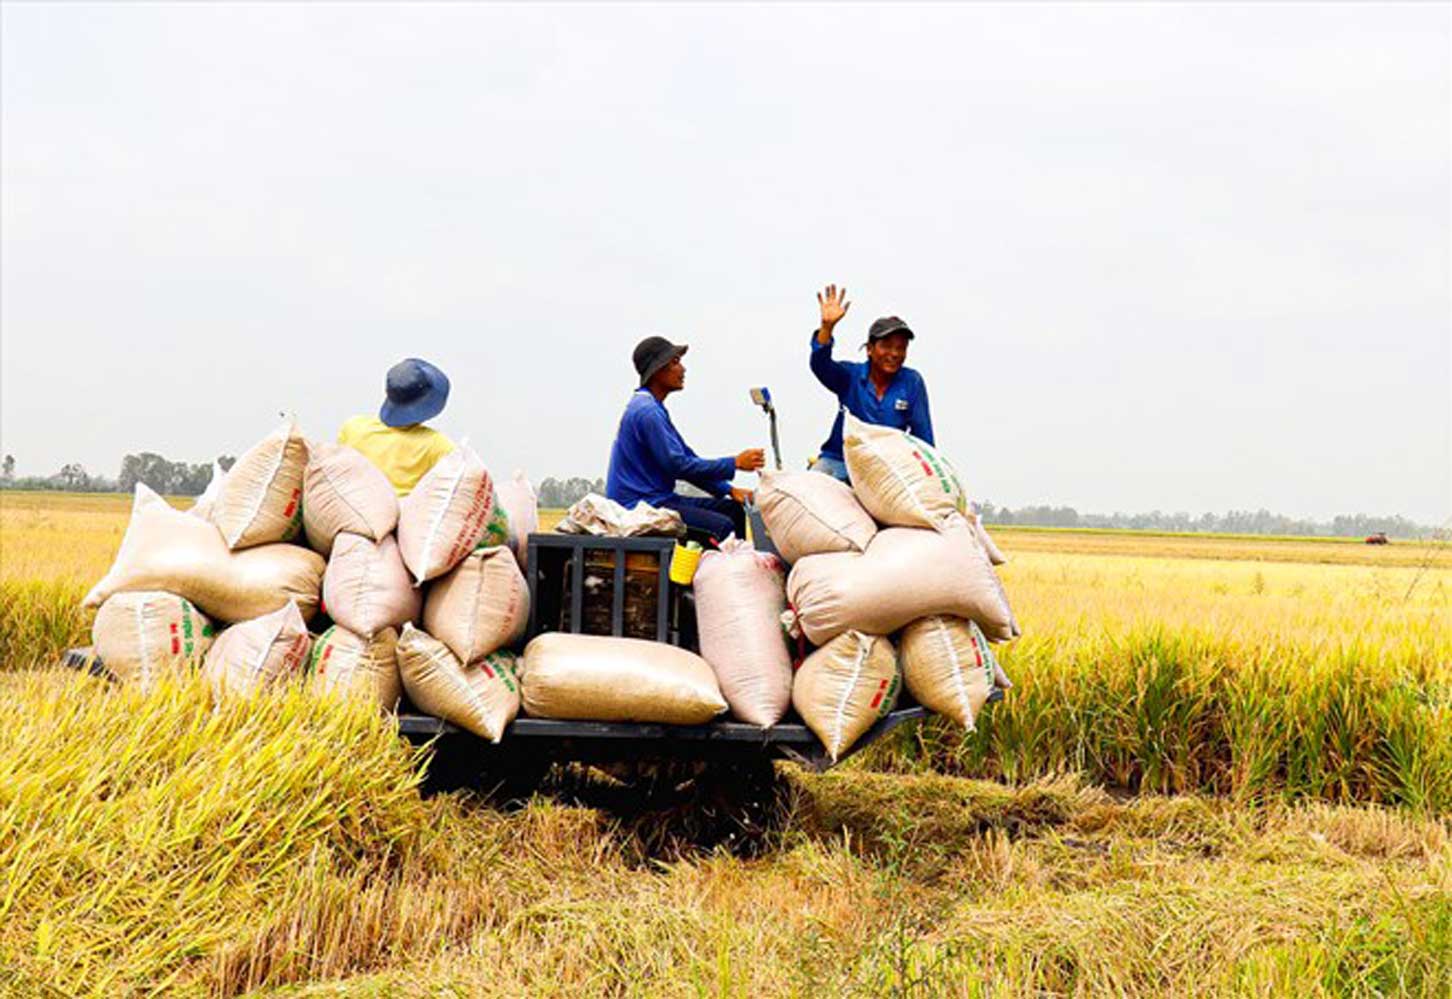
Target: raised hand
point(751, 460)
point(834, 306)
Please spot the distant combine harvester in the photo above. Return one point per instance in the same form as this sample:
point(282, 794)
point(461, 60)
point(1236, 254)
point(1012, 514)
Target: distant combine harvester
point(1379, 538)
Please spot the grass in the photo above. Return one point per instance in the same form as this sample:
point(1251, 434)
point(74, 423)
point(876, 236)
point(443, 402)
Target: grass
point(1219, 774)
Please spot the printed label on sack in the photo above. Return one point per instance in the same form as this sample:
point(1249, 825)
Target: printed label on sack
point(293, 513)
point(498, 667)
point(886, 695)
point(479, 509)
point(184, 632)
point(292, 659)
point(933, 467)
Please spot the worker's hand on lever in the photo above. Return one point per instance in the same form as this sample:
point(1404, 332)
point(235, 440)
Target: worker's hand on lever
point(834, 306)
point(743, 496)
point(751, 460)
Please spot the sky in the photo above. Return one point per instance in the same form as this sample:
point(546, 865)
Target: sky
point(1179, 257)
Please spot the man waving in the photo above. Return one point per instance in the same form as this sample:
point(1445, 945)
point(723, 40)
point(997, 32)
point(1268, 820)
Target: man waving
point(880, 390)
point(649, 454)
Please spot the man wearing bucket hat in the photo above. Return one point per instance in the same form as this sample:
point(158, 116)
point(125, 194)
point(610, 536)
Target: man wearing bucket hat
point(396, 440)
point(649, 454)
point(879, 390)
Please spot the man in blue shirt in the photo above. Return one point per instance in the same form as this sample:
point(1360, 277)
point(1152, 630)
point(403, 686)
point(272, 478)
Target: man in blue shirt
point(649, 455)
point(879, 390)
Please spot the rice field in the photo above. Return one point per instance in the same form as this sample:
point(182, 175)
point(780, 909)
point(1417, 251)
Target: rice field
point(1226, 769)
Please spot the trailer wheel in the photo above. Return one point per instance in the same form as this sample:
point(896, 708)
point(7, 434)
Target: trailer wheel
point(673, 807)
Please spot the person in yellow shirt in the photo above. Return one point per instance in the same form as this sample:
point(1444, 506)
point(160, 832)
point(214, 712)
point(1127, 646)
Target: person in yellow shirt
point(396, 440)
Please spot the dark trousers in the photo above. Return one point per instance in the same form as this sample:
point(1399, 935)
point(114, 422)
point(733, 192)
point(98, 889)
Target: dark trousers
point(718, 517)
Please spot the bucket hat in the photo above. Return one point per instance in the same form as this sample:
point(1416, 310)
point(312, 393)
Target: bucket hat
point(416, 392)
point(654, 353)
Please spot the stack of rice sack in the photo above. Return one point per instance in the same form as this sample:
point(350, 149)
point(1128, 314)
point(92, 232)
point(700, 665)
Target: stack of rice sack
point(899, 553)
point(394, 565)
point(378, 566)
point(179, 577)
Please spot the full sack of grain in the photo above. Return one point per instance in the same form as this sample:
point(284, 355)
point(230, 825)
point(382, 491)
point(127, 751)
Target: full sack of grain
point(204, 503)
point(261, 499)
point(344, 491)
point(145, 636)
point(901, 480)
point(521, 503)
point(591, 677)
point(948, 666)
point(906, 573)
point(357, 666)
point(740, 595)
point(480, 605)
point(165, 549)
point(482, 697)
point(844, 687)
point(994, 553)
point(266, 650)
point(808, 513)
point(366, 587)
point(444, 518)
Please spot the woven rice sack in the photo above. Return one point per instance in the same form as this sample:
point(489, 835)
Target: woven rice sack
point(355, 665)
point(906, 573)
point(144, 636)
point(808, 513)
point(204, 503)
point(521, 503)
point(366, 587)
point(445, 516)
point(261, 499)
point(266, 650)
point(592, 677)
point(480, 605)
point(482, 697)
point(165, 549)
point(901, 480)
point(995, 555)
point(344, 491)
point(844, 687)
point(740, 596)
point(948, 666)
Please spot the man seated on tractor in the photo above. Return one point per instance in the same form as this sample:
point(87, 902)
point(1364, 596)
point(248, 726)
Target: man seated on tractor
point(879, 390)
point(649, 455)
point(396, 440)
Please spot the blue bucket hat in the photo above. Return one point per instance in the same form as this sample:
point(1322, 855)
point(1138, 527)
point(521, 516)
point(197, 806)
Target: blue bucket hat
point(416, 392)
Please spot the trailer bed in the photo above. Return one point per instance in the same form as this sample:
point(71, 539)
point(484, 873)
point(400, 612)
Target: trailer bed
point(555, 740)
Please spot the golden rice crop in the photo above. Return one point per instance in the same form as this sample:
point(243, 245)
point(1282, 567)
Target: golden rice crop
point(1328, 679)
point(159, 844)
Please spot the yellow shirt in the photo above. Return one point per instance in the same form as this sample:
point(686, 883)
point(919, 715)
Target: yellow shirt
point(404, 454)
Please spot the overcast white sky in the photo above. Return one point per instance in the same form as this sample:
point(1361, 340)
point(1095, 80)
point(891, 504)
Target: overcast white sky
point(1182, 257)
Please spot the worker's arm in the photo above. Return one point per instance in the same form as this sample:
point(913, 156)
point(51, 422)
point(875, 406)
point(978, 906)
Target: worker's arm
point(920, 421)
point(672, 454)
point(833, 374)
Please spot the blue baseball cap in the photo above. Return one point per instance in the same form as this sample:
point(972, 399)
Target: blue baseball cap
point(416, 390)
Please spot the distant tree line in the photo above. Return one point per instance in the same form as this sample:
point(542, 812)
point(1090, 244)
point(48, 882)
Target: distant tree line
point(170, 478)
point(560, 493)
point(1234, 522)
point(178, 478)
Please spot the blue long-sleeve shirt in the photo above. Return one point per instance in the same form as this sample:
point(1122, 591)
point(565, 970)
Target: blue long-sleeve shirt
point(649, 455)
point(904, 405)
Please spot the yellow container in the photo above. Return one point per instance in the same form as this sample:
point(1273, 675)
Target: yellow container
point(683, 564)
